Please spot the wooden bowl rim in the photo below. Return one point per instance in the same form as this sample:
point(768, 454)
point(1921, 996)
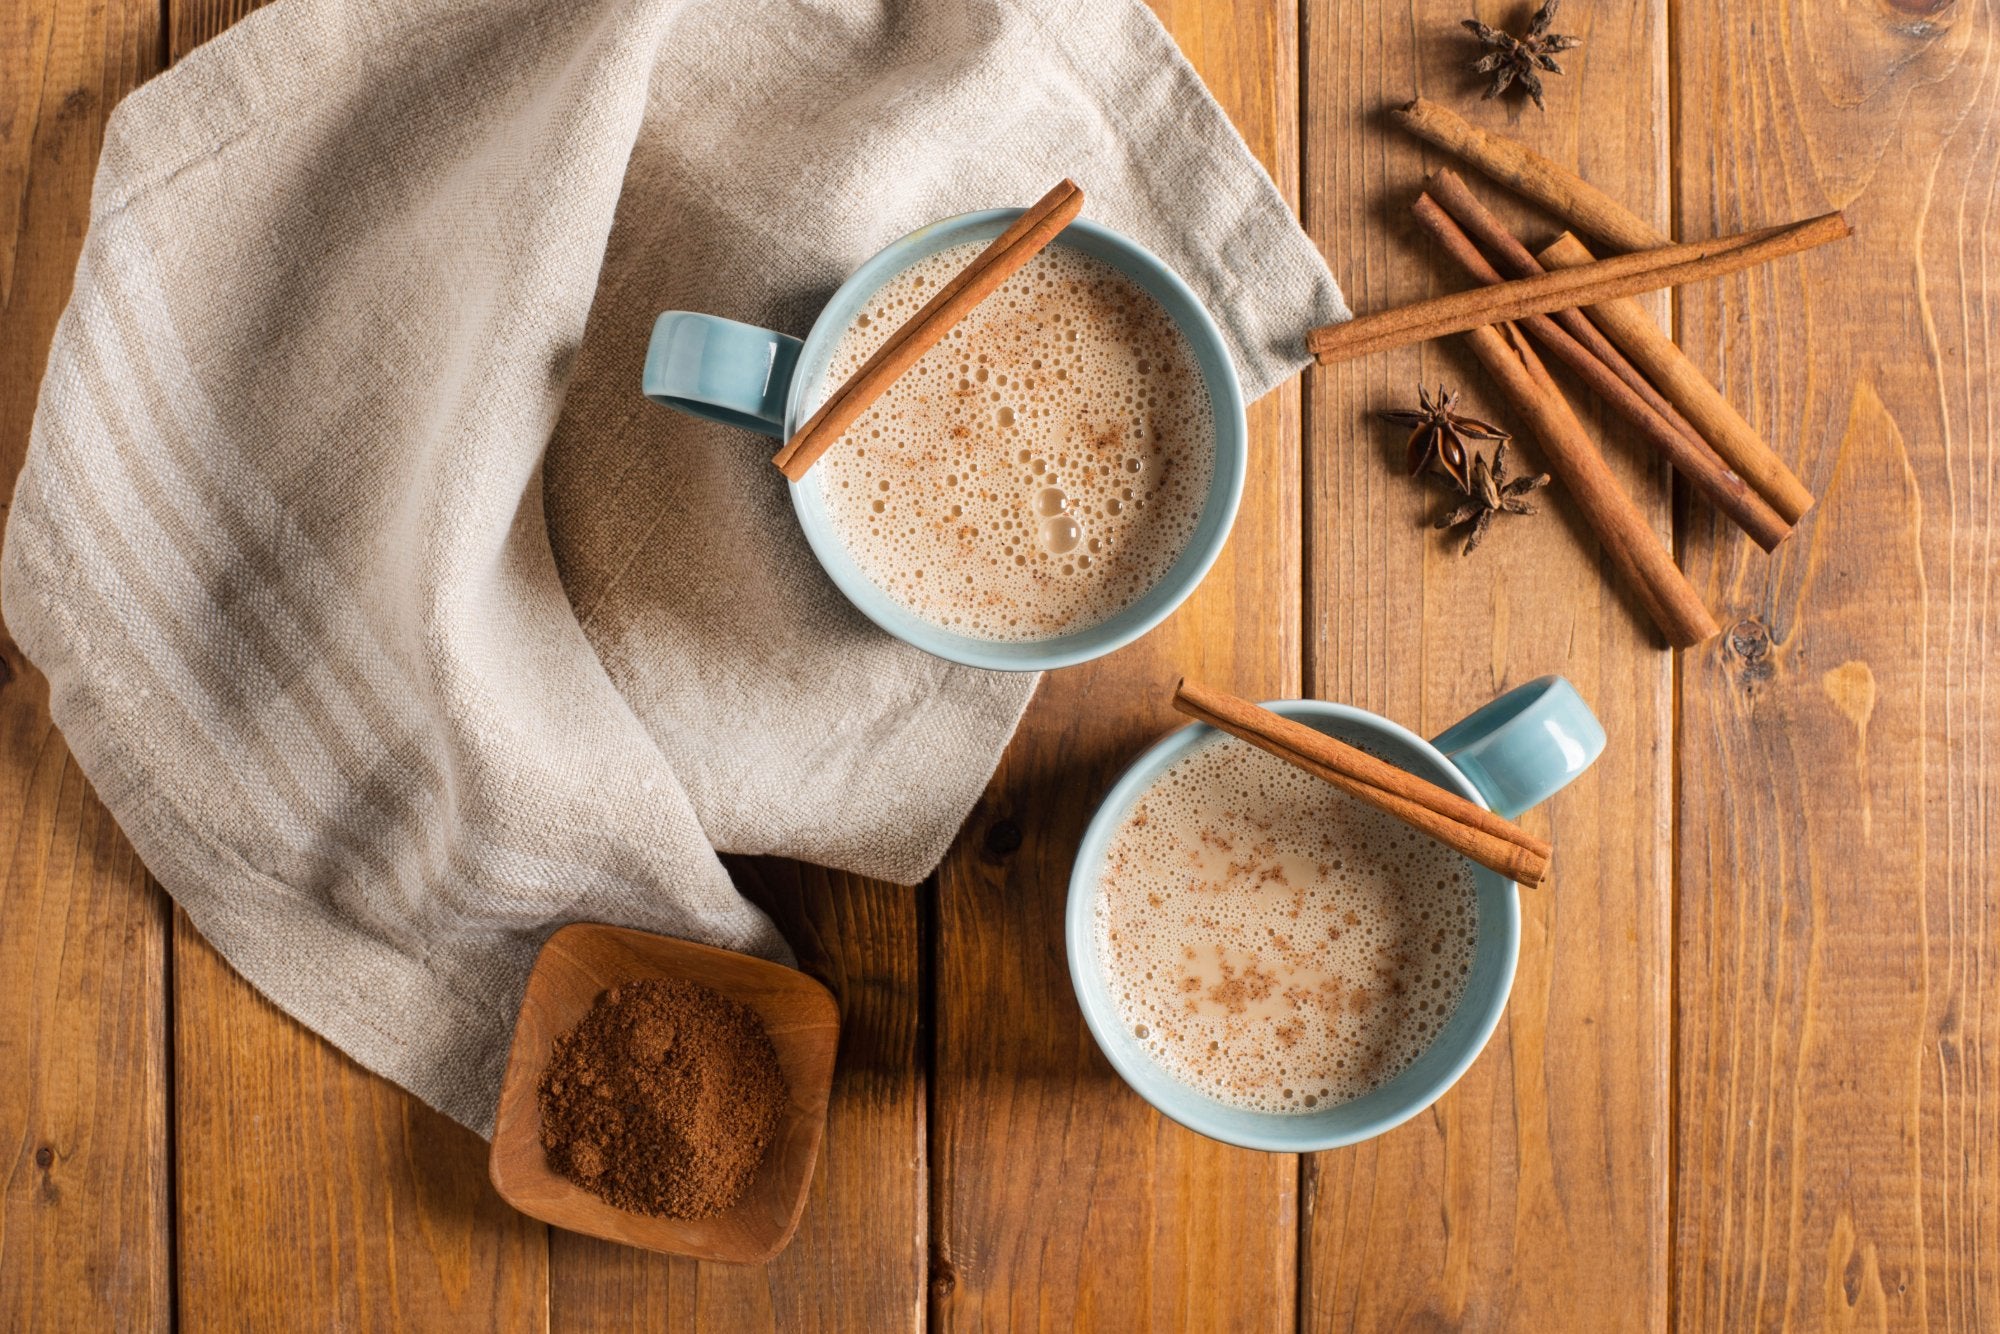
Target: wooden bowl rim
point(682, 959)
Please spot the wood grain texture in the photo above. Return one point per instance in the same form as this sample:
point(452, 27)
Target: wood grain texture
point(1060, 1198)
point(314, 1195)
point(83, 1108)
point(1839, 1090)
point(192, 22)
point(1533, 1196)
point(84, 1233)
point(857, 1260)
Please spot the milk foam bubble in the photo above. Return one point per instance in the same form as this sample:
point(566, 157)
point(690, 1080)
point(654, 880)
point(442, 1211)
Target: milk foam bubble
point(1271, 941)
point(1041, 468)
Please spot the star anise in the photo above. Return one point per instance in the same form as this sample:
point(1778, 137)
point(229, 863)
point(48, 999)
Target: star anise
point(1510, 58)
point(1490, 494)
point(1439, 433)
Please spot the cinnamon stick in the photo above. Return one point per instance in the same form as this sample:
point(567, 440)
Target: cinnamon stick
point(1514, 260)
point(1620, 528)
point(1630, 326)
point(1692, 458)
point(917, 335)
point(1461, 825)
point(1550, 184)
point(1622, 275)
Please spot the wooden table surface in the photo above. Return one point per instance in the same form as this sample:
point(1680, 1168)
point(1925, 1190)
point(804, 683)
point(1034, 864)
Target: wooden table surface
point(1745, 1079)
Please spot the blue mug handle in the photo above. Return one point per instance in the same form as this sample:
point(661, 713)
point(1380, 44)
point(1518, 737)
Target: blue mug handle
point(1525, 746)
point(721, 370)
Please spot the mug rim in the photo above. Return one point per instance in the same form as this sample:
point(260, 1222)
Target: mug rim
point(1190, 568)
point(1196, 1110)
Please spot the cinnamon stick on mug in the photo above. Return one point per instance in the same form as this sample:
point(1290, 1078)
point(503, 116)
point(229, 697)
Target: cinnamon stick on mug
point(1690, 456)
point(1461, 825)
point(1623, 275)
point(917, 335)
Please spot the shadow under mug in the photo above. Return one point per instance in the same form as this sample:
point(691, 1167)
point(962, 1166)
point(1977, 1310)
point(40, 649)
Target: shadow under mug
point(1514, 753)
point(769, 382)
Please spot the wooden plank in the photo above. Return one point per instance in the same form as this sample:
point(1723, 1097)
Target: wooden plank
point(1840, 811)
point(1534, 1194)
point(1059, 1198)
point(858, 1260)
point(313, 1194)
point(192, 22)
point(83, 1227)
point(83, 1222)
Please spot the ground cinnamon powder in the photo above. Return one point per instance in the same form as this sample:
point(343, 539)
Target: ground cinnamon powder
point(662, 1099)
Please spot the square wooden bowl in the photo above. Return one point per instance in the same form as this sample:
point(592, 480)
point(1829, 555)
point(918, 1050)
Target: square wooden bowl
point(578, 964)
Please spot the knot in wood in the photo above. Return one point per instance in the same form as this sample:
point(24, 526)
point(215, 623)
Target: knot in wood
point(1749, 640)
point(1003, 838)
point(1921, 9)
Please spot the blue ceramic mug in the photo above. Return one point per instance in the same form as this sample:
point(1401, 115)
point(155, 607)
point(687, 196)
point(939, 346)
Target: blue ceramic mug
point(1512, 754)
point(770, 383)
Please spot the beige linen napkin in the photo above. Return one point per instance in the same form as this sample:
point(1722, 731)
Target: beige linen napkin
point(390, 621)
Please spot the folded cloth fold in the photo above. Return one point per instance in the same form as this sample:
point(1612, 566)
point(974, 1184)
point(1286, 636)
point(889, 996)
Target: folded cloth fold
point(391, 623)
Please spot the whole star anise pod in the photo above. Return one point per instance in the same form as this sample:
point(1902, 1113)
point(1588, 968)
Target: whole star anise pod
point(1438, 434)
point(1510, 58)
point(1490, 494)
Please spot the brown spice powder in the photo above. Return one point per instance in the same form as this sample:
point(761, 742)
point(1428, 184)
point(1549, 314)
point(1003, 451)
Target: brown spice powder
point(663, 1099)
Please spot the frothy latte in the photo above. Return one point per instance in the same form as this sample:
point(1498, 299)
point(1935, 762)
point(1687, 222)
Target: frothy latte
point(1038, 470)
point(1274, 943)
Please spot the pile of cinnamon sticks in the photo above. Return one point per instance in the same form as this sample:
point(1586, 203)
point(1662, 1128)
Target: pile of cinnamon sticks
point(1578, 309)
